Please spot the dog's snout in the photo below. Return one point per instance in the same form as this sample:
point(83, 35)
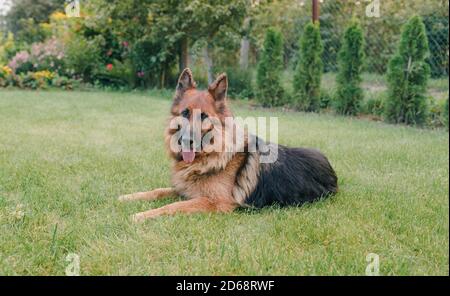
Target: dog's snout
point(187, 142)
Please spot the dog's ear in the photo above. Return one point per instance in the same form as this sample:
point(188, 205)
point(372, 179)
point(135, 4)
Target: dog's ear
point(218, 89)
point(186, 81)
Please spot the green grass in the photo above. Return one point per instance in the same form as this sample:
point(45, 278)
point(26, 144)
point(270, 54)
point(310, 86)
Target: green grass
point(65, 157)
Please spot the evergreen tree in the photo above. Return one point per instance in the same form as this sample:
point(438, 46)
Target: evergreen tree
point(270, 91)
point(349, 93)
point(308, 73)
point(408, 74)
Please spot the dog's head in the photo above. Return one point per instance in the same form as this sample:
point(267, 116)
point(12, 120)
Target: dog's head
point(195, 116)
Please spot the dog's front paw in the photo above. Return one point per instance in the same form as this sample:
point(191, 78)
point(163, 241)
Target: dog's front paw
point(126, 197)
point(138, 218)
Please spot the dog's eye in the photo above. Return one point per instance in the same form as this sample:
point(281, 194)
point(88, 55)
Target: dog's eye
point(185, 113)
point(204, 116)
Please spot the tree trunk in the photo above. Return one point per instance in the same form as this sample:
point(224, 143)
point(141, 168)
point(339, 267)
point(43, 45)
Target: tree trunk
point(244, 52)
point(245, 45)
point(184, 54)
point(208, 62)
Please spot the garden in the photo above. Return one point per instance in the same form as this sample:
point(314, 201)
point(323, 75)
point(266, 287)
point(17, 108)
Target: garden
point(393, 67)
point(86, 88)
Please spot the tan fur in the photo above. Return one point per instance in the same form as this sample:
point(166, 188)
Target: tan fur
point(247, 180)
point(213, 182)
point(149, 195)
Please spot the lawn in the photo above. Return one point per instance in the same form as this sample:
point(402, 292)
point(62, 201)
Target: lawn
point(65, 157)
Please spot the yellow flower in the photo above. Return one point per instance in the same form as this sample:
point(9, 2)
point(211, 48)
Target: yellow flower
point(58, 16)
point(6, 71)
point(45, 74)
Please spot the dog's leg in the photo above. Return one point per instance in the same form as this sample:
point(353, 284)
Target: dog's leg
point(196, 205)
point(149, 195)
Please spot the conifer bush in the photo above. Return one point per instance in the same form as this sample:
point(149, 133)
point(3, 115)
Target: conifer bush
point(408, 74)
point(349, 94)
point(308, 73)
point(268, 78)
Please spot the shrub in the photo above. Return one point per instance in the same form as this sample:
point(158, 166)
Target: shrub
point(7, 47)
point(48, 55)
point(6, 76)
point(83, 57)
point(436, 115)
point(240, 83)
point(115, 75)
point(350, 63)
point(21, 62)
point(407, 76)
point(374, 106)
point(270, 92)
point(64, 82)
point(308, 73)
point(326, 98)
point(150, 58)
point(35, 80)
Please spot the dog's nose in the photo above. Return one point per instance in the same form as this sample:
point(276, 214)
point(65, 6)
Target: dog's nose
point(186, 143)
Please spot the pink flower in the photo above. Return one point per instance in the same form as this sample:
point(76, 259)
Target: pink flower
point(125, 44)
point(109, 67)
point(19, 59)
point(140, 74)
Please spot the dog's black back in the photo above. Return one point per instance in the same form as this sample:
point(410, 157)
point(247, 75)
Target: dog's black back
point(299, 175)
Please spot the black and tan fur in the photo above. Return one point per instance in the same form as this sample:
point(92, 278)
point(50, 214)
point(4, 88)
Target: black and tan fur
point(224, 181)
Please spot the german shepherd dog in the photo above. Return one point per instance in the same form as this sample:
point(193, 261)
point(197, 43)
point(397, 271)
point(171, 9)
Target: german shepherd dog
point(221, 181)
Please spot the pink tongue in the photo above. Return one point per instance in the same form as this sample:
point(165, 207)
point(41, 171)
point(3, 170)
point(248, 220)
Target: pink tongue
point(188, 156)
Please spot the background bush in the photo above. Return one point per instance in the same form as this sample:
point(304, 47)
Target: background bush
point(374, 106)
point(309, 70)
point(240, 82)
point(350, 60)
point(408, 75)
point(270, 91)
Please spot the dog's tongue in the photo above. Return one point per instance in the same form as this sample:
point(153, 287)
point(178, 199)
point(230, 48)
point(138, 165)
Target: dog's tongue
point(188, 156)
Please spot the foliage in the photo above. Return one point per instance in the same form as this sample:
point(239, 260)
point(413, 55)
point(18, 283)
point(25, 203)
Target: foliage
point(408, 75)
point(147, 60)
point(36, 10)
point(308, 74)
point(437, 30)
point(6, 75)
point(326, 98)
point(83, 56)
point(286, 14)
point(437, 116)
point(7, 47)
point(114, 75)
point(21, 62)
point(349, 93)
point(374, 106)
point(48, 55)
point(240, 83)
point(270, 92)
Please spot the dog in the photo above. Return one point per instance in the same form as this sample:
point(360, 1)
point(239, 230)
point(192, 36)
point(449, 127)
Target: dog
point(221, 181)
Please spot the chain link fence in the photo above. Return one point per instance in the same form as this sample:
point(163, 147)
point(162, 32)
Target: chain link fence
point(382, 22)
